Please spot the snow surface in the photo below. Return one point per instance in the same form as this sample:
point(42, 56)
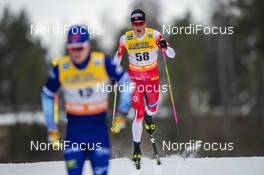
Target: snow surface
point(170, 166)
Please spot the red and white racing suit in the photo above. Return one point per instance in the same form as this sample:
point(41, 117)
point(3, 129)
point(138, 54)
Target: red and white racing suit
point(143, 71)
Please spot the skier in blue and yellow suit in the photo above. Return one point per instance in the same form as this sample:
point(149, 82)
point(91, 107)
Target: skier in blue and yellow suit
point(79, 74)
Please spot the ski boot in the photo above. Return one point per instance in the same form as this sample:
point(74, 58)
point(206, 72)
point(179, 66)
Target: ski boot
point(149, 125)
point(136, 158)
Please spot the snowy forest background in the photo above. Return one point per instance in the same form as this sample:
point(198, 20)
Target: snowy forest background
point(217, 80)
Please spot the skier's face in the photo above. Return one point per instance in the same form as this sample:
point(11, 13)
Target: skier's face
point(139, 27)
point(79, 54)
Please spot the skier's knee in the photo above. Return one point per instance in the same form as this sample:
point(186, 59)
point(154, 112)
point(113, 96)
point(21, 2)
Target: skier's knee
point(151, 111)
point(151, 108)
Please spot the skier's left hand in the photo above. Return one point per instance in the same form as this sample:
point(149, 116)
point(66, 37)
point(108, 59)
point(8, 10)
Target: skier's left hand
point(119, 124)
point(162, 44)
point(54, 138)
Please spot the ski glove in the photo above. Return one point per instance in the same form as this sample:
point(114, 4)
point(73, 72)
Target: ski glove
point(162, 44)
point(54, 138)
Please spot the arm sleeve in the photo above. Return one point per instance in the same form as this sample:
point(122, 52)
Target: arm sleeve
point(48, 109)
point(53, 83)
point(121, 48)
point(114, 71)
point(47, 98)
point(169, 51)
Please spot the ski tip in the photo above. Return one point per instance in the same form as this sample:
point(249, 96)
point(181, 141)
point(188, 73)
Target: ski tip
point(157, 158)
point(137, 164)
point(138, 167)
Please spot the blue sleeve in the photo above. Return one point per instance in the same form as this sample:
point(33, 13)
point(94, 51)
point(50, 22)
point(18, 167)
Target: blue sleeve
point(53, 83)
point(115, 72)
point(48, 109)
point(47, 98)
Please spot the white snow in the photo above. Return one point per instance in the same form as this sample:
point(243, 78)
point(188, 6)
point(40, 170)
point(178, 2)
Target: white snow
point(170, 166)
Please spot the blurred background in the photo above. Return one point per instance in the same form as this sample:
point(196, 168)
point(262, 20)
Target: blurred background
point(217, 80)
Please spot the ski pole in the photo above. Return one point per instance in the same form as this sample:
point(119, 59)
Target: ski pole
point(56, 109)
point(171, 95)
point(56, 98)
point(114, 107)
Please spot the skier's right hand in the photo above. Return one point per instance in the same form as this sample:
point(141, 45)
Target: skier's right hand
point(54, 138)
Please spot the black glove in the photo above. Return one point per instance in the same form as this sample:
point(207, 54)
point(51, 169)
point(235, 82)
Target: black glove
point(162, 44)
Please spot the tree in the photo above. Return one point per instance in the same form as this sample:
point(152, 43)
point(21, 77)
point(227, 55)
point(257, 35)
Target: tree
point(251, 27)
point(188, 69)
point(21, 62)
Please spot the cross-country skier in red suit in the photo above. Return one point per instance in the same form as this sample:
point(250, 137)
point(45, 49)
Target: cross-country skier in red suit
point(142, 45)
